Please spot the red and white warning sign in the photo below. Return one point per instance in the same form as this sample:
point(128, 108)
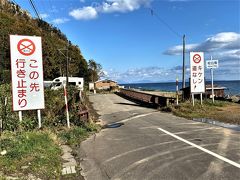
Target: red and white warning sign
point(197, 58)
point(27, 72)
point(26, 47)
point(197, 72)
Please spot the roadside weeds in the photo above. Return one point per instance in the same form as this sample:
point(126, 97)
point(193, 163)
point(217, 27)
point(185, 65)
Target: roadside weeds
point(223, 111)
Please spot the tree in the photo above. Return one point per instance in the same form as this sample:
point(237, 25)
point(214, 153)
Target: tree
point(94, 70)
point(14, 20)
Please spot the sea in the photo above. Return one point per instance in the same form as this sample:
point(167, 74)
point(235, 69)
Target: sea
point(232, 87)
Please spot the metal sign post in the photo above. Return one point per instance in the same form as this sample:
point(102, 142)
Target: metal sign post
point(20, 115)
point(212, 85)
point(193, 99)
point(212, 64)
point(201, 98)
point(39, 118)
point(177, 89)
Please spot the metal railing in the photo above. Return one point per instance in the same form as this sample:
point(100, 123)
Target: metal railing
point(150, 99)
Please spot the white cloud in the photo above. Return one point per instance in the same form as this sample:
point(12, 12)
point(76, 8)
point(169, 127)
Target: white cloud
point(223, 46)
point(84, 13)
point(145, 74)
point(82, 1)
point(44, 15)
point(60, 20)
point(224, 37)
point(220, 42)
point(123, 5)
point(107, 6)
point(177, 50)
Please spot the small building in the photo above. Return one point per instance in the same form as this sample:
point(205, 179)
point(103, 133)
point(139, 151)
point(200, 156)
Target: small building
point(91, 86)
point(105, 84)
point(218, 92)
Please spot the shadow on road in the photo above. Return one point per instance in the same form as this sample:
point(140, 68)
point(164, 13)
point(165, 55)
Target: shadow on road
point(113, 125)
point(139, 103)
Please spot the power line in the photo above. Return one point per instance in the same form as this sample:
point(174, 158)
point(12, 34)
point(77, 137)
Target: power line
point(153, 13)
point(178, 35)
point(35, 9)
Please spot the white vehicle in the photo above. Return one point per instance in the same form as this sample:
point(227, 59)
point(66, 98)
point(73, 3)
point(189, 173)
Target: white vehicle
point(57, 83)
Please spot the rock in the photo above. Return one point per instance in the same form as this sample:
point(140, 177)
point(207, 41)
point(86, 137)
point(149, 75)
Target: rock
point(235, 99)
point(3, 152)
point(24, 167)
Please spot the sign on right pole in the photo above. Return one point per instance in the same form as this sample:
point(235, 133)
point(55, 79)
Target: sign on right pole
point(197, 83)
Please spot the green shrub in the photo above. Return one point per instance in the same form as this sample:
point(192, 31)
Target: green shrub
point(73, 136)
point(53, 115)
point(9, 118)
point(76, 134)
point(29, 124)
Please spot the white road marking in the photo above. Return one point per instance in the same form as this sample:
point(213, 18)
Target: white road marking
point(189, 123)
point(201, 148)
point(138, 149)
point(149, 127)
point(203, 129)
point(140, 162)
point(138, 116)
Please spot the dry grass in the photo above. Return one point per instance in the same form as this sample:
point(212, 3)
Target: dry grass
point(221, 111)
point(230, 113)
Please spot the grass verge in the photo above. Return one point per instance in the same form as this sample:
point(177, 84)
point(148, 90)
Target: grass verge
point(36, 153)
point(76, 135)
point(221, 110)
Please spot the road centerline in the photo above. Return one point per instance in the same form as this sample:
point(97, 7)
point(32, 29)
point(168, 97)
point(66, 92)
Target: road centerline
point(201, 148)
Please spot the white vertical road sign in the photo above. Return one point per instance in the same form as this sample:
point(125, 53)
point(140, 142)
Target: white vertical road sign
point(197, 72)
point(27, 72)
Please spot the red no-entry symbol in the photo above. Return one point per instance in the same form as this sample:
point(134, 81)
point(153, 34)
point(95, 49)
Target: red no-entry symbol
point(197, 58)
point(26, 47)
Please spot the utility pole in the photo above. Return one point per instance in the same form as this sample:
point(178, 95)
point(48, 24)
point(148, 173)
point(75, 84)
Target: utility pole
point(3, 61)
point(65, 85)
point(67, 61)
point(183, 68)
point(67, 67)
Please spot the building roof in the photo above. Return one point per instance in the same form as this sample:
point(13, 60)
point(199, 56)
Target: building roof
point(105, 81)
point(209, 86)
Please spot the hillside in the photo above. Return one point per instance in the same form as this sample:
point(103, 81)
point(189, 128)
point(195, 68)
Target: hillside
point(14, 20)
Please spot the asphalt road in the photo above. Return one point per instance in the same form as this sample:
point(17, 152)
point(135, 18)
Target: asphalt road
point(156, 145)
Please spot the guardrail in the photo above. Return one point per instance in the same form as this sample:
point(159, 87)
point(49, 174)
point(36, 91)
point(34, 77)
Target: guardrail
point(150, 99)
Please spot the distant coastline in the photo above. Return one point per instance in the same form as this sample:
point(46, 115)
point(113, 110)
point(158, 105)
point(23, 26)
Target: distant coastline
point(208, 80)
point(232, 87)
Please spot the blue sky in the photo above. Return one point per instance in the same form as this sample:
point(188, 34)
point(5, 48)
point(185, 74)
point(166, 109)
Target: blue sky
point(133, 45)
